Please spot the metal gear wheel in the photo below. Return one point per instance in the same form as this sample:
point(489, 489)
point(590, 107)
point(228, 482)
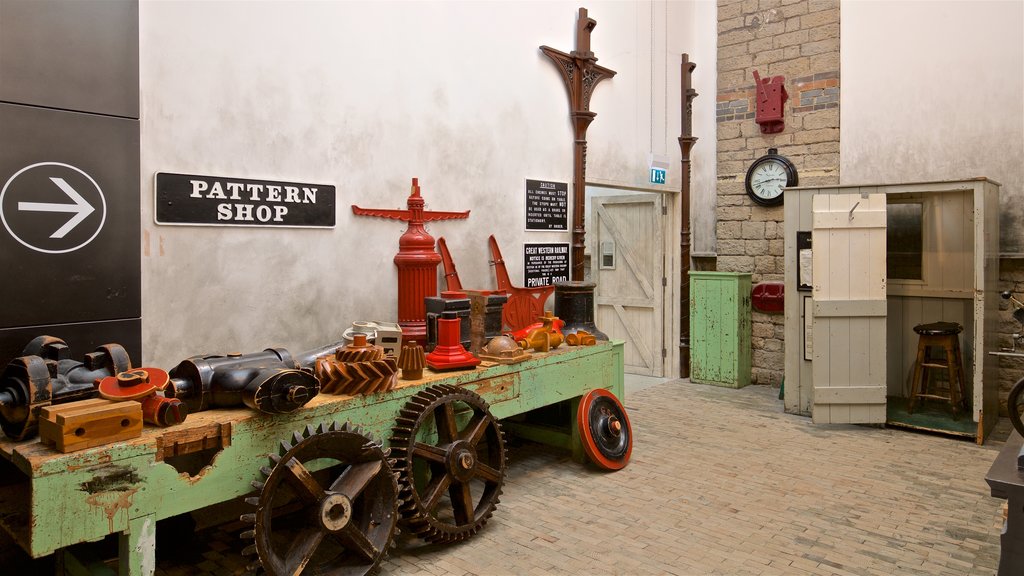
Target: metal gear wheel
point(328, 505)
point(604, 429)
point(450, 453)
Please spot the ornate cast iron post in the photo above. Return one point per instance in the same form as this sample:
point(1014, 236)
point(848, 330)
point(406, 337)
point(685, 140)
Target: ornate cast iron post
point(416, 260)
point(686, 142)
point(581, 73)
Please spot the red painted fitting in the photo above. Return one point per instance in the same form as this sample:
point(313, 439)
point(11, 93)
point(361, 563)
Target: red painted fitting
point(449, 353)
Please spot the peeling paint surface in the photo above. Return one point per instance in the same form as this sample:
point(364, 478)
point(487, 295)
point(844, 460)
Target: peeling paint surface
point(111, 503)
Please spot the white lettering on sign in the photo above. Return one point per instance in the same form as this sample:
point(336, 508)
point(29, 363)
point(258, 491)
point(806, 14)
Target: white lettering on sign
point(251, 213)
point(257, 192)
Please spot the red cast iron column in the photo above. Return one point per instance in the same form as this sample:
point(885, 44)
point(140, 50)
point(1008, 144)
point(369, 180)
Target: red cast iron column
point(416, 260)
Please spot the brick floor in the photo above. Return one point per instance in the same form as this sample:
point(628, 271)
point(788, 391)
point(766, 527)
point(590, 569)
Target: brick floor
point(721, 481)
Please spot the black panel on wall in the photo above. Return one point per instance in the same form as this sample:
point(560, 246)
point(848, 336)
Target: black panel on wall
point(70, 263)
point(71, 54)
point(97, 157)
point(81, 338)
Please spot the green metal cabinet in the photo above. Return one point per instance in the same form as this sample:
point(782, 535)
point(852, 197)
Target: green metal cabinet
point(720, 328)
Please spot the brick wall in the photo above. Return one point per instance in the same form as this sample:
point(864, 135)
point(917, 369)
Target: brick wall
point(798, 39)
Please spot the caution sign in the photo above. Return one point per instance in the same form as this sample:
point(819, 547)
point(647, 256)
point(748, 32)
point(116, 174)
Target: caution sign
point(545, 264)
point(547, 205)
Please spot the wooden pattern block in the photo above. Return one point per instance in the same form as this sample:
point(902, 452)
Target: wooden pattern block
point(88, 423)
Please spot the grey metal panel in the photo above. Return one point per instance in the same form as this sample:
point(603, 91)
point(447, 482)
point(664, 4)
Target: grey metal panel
point(100, 280)
point(72, 54)
point(81, 338)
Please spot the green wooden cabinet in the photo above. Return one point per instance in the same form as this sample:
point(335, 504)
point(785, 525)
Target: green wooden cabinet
point(720, 328)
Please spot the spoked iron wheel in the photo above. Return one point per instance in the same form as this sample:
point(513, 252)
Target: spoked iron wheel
point(329, 505)
point(450, 456)
point(1015, 405)
point(604, 429)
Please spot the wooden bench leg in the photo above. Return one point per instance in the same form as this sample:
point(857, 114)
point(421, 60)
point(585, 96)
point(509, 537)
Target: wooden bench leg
point(137, 547)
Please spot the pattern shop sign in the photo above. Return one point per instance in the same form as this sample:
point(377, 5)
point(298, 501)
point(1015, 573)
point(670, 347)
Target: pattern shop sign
point(219, 201)
point(545, 264)
point(547, 205)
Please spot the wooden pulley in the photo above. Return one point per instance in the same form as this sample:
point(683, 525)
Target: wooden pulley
point(133, 384)
point(604, 429)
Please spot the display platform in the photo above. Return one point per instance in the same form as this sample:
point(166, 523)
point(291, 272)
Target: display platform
point(51, 501)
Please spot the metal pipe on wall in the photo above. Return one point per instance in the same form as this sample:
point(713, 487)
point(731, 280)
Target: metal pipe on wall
point(686, 142)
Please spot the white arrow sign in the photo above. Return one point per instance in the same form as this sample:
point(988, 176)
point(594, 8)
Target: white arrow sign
point(81, 209)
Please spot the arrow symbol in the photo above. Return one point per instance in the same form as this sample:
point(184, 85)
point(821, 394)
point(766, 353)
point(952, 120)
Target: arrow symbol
point(81, 209)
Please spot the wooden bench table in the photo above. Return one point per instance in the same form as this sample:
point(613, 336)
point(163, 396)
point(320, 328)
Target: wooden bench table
point(50, 501)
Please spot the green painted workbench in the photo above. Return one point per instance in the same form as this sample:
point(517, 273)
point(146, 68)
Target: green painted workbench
point(50, 501)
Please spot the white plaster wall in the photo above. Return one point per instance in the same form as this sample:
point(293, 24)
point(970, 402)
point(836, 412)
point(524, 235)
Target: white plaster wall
point(365, 96)
point(703, 183)
point(935, 91)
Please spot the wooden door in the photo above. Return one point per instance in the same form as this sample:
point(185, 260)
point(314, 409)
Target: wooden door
point(628, 264)
point(848, 271)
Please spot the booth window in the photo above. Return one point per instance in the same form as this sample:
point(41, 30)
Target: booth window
point(904, 240)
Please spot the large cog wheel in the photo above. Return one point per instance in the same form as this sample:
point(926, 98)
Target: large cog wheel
point(328, 505)
point(450, 457)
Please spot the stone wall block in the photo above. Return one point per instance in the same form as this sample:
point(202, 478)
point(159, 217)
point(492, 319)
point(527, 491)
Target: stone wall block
point(820, 135)
point(729, 230)
point(729, 10)
point(826, 61)
point(764, 264)
point(789, 68)
point(819, 47)
point(734, 263)
point(823, 32)
point(790, 39)
point(753, 230)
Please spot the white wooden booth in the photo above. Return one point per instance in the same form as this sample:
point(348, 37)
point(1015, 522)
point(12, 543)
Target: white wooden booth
point(864, 265)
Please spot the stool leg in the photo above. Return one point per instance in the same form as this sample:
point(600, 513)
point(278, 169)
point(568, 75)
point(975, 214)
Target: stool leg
point(962, 378)
point(953, 373)
point(915, 383)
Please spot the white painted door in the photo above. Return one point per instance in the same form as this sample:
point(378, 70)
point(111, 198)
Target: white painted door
point(628, 264)
point(848, 271)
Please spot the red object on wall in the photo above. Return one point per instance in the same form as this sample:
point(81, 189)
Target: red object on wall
point(768, 297)
point(770, 95)
point(416, 260)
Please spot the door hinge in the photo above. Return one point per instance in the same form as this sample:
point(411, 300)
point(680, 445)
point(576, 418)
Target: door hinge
point(664, 210)
point(664, 281)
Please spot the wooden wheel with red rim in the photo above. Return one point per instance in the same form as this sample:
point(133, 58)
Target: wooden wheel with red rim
point(604, 428)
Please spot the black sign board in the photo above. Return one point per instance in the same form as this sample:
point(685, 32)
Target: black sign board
point(547, 205)
point(545, 264)
point(221, 201)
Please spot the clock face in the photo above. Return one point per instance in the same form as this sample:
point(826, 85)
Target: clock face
point(768, 176)
point(768, 179)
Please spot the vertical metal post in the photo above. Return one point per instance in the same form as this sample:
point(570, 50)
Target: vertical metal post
point(686, 142)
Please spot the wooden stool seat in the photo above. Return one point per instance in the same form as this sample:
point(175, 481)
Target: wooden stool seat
point(942, 336)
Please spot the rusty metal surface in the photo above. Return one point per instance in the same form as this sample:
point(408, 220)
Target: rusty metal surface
point(47, 375)
point(686, 142)
point(581, 74)
point(450, 434)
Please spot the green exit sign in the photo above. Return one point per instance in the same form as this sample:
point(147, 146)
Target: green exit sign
point(658, 175)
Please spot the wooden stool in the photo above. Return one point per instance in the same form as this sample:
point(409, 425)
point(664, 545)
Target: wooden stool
point(942, 335)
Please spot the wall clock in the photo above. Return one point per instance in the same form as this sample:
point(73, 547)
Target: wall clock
point(767, 176)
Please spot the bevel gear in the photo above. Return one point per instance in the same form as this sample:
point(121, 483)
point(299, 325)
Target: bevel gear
point(328, 505)
point(450, 453)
